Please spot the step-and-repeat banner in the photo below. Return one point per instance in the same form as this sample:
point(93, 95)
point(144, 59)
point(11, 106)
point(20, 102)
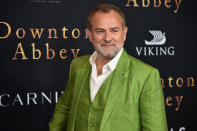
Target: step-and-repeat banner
point(40, 38)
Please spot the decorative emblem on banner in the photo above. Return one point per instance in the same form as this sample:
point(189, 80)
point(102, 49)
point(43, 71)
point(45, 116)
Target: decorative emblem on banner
point(159, 38)
point(180, 129)
point(155, 46)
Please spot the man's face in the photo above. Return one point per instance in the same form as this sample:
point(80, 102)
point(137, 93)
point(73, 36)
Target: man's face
point(107, 33)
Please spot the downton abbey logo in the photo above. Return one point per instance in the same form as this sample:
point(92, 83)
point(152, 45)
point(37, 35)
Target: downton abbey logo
point(156, 46)
point(168, 4)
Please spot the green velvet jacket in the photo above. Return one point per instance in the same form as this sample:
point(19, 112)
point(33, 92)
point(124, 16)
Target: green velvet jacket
point(135, 101)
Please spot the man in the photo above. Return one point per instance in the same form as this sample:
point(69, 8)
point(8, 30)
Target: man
point(110, 90)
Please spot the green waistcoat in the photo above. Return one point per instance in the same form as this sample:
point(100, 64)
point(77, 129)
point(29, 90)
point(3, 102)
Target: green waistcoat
point(89, 114)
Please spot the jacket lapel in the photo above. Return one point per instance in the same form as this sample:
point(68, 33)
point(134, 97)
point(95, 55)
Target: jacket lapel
point(117, 84)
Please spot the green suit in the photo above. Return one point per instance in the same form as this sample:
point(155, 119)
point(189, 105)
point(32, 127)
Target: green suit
point(135, 100)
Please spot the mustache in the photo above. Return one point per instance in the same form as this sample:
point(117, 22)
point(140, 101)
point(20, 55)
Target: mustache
point(108, 43)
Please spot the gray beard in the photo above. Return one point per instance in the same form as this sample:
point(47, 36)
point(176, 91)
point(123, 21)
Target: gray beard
point(102, 54)
point(109, 56)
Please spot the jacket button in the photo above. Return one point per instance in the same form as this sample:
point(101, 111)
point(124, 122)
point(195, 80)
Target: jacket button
point(91, 110)
point(91, 124)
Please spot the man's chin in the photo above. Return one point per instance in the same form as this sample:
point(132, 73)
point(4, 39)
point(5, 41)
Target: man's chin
point(109, 55)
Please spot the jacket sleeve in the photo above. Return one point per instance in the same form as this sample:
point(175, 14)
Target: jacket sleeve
point(152, 107)
point(62, 108)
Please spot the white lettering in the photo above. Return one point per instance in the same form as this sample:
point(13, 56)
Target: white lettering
point(1, 104)
point(31, 98)
point(44, 96)
point(17, 98)
point(155, 51)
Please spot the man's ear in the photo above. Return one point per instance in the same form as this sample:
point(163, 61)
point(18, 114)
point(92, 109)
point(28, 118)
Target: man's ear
point(89, 35)
point(125, 30)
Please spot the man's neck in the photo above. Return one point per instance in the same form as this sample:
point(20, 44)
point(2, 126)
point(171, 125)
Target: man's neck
point(100, 62)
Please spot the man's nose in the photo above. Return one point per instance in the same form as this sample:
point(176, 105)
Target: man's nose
point(108, 36)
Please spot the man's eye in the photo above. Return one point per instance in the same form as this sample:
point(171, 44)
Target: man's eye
point(99, 32)
point(114, 31)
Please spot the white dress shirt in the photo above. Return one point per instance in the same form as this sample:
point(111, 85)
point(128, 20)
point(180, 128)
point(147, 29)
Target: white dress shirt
point(95, 80)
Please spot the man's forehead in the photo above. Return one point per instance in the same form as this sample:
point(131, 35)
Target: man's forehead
point(111, 12)
point(109, 18)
